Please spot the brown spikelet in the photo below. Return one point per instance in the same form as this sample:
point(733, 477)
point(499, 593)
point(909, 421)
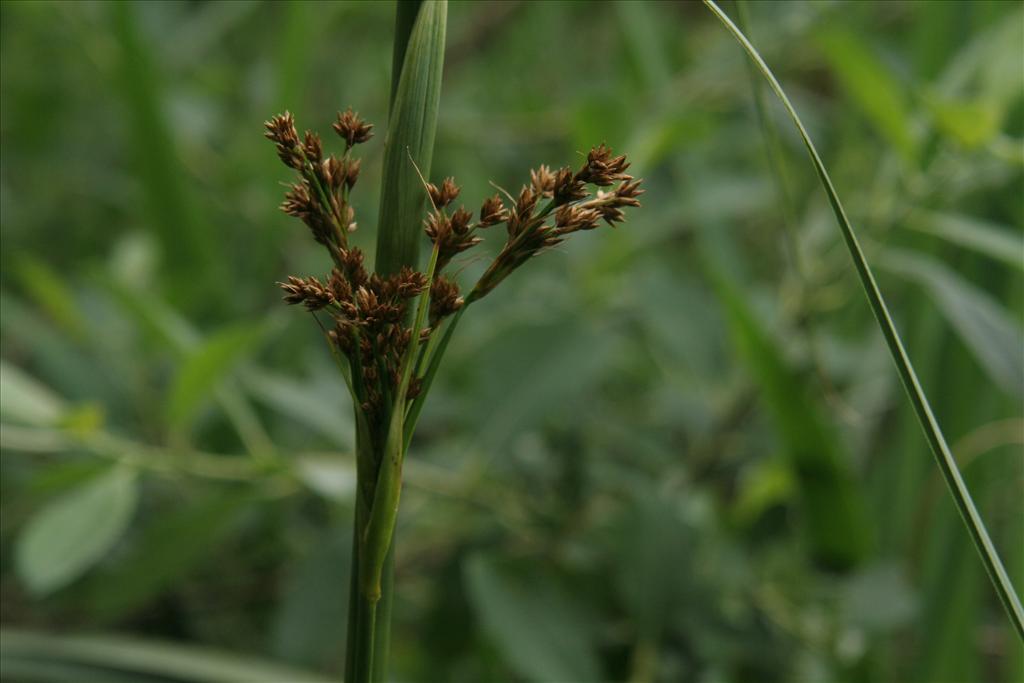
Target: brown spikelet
point(309, 292)
point(442, 196)
point(493, 211)
point(351, 128)
point(444, 299)
point(281, 131)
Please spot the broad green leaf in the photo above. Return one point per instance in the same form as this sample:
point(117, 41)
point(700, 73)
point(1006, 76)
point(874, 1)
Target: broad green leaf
point(538, 631)
point(986, 328)
point(169, 547)
point(997, 242)
point(410, 140)
point(870, 85)
point(74, 532)
point(24, 399)
point(205, 367)
point(146, 659)
point(940, 449)
point(543, 373)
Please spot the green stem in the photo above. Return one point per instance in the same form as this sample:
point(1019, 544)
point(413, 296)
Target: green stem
point(416, 408)
point(415, 92)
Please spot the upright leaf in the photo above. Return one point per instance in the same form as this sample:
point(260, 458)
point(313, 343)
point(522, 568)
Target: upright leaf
point(410, 140)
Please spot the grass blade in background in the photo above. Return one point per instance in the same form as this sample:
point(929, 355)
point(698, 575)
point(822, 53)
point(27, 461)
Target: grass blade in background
point(107, 657)
point(834, 512)
point(943, 455)
point(187, 242)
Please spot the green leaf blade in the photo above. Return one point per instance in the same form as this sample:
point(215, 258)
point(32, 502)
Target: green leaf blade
point(75, 532)
point(410, 139)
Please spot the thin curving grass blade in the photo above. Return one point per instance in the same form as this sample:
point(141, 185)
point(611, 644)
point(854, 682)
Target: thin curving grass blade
point(943, 456)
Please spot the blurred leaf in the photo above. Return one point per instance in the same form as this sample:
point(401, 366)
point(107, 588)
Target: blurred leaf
point(765, 483)
point(170, 546)
point(985, 327)
point(211, 362)
point(332, 478)
point(972, 124)
point(48, 290)
point(878, 598)
point(540, 633)
point(189, 244)
point(311, 618)
point(155, 316)
point(74, 532)
point(652, 560)
point(31, 440)
point(870, 85)
point(834, 510)
point(987, 69)
point(544, 370)
point(329, 415)
point(24, 399)
point(146, 659)
point(998, 242)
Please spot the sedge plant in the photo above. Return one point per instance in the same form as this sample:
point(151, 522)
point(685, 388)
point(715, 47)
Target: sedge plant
point(388, 330)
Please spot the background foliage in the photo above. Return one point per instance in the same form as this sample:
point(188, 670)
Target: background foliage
point(673, 452)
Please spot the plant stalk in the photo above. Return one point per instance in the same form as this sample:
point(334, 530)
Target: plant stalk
point(415, 91)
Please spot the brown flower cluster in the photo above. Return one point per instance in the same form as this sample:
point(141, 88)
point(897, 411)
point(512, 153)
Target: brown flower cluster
point(320, 198)
point(532, 227)
point(370, 315)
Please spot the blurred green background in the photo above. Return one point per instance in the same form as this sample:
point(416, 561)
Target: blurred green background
point(676, 451)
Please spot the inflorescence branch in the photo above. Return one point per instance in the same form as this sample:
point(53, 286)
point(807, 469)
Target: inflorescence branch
point(370, 314)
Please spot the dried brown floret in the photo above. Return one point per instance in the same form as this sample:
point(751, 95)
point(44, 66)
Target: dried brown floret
point(352, 129)
point(281, 130)
point(543, 181)
point(461, 221)
point(410, 282)
point(602, 168)
point(493, 211)
point(312, 147)
point(309, 292)
point(351, 262)
point(354, 165)
point(442, 196)
point(572, 217)
point(444, 299)
point(451, 235)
